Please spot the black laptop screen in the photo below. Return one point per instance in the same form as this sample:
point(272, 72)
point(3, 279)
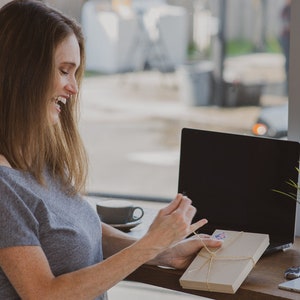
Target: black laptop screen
point(231, 179)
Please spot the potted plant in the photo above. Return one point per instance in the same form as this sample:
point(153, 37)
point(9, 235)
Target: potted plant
point(293, 184)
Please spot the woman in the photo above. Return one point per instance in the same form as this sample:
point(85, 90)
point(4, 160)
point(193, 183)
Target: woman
point(52, 243)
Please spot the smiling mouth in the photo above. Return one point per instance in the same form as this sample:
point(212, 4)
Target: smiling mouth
point(60, 99)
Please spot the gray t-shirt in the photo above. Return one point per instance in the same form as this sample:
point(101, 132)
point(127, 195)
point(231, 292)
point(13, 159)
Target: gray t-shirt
point(66, 228)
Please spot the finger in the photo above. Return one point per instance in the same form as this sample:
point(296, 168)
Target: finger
point(198, 236)
point(212, 242)
point(203, 236)
point(190, 213)
point(184, 206)
point(173, 205)
point(207, 240)
point(198, 225)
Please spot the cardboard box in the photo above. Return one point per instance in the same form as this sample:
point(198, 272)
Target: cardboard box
point(224, 269)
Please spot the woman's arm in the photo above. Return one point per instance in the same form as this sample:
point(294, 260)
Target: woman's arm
point(114, 240)
point(28, 270)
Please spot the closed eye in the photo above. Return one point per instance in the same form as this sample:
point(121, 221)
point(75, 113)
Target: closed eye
point(64, 72)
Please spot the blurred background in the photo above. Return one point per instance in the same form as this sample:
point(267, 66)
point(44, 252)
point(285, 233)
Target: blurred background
point(156, 66)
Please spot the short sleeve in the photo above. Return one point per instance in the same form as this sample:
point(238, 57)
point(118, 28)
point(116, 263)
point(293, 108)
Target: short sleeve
point(18, 225)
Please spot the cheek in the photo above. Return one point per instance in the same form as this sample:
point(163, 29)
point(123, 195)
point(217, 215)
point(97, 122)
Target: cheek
point(53, 114)
point(58, 83)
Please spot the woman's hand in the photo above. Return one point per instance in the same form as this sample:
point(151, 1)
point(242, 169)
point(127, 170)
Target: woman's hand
point(172, 224)
point(169, 230)
point(181, 255)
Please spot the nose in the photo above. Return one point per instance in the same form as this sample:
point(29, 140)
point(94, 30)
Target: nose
point(72, 86)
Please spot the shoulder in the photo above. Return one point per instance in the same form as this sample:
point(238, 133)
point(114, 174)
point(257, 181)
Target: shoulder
point(4, 162)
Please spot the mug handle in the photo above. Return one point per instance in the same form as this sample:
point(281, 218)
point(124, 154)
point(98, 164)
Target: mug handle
point(134, 218)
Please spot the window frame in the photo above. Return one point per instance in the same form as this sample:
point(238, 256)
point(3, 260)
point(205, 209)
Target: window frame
point(294, 87)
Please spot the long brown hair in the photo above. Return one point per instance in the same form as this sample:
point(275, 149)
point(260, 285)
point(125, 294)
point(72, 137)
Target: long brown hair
point(30, 31)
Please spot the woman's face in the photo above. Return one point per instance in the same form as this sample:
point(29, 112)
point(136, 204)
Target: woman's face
point(67, 61)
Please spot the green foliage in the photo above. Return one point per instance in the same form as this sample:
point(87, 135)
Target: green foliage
point(92, 74)
point(238, 47)
point(273, 46)
point(194, 54)
point(294, 185)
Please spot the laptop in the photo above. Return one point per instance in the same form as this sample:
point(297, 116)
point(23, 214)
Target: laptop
point(231, 180)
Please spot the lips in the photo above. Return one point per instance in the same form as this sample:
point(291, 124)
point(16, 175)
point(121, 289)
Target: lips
point(60, 99)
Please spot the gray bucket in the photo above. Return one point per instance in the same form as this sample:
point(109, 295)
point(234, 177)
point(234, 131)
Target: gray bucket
point(196, 84)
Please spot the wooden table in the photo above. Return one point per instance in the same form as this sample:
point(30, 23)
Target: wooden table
point(261, 283)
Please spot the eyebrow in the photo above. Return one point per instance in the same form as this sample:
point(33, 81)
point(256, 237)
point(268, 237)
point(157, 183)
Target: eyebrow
point(69, 63)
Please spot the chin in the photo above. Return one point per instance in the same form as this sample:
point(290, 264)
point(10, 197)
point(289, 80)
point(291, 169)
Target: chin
point(54, 119)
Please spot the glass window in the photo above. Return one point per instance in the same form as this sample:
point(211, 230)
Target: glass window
point(154, 67)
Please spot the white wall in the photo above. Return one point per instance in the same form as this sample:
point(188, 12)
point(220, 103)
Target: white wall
point(243, 17)
point(241, 14)
point(71, 8)
point(2, 2)
point(294, 86)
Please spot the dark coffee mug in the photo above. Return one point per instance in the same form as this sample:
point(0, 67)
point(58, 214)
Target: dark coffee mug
point(118, 211)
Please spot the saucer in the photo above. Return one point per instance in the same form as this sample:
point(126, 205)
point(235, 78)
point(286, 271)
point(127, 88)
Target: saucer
point(127, 226)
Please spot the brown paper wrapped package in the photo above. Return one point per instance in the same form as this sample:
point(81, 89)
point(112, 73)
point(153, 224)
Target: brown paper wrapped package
point(224, 269)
